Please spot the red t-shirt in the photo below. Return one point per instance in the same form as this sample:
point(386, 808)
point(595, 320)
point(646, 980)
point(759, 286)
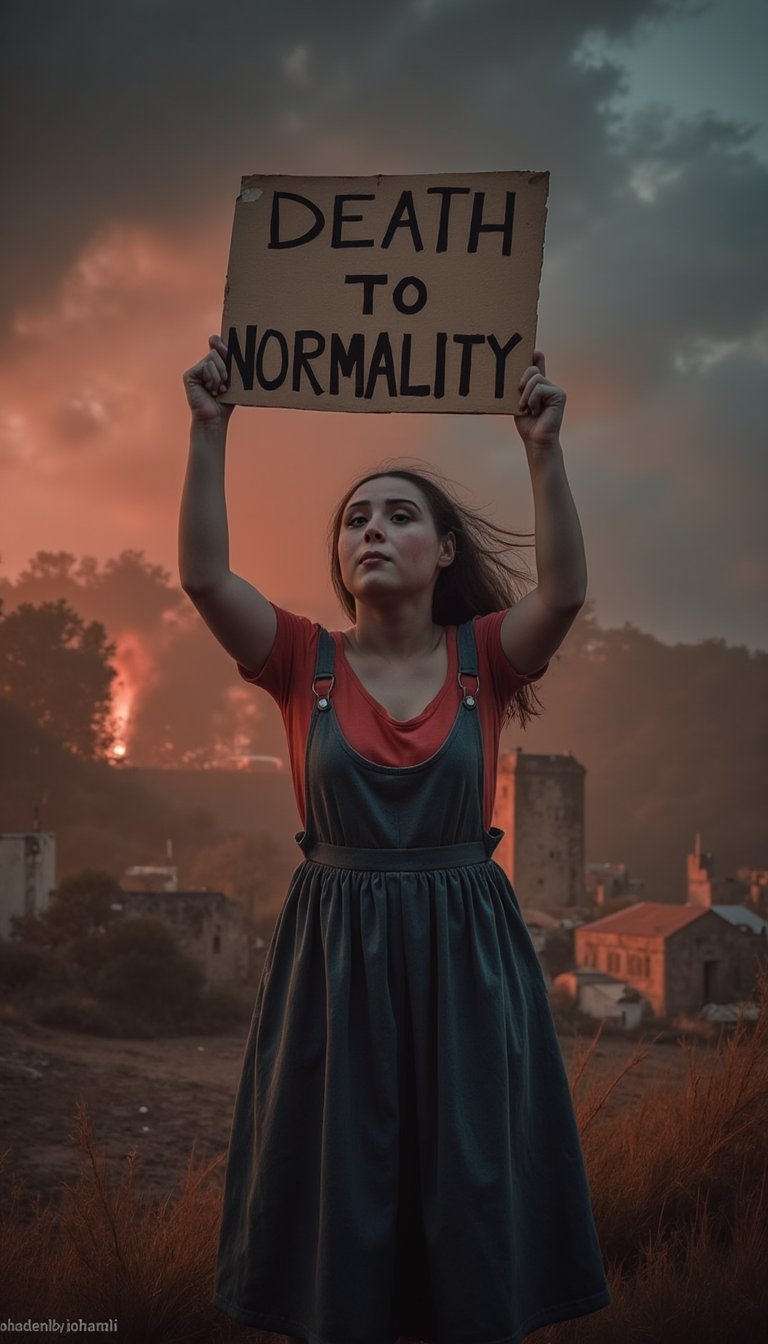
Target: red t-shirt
point(368, 727)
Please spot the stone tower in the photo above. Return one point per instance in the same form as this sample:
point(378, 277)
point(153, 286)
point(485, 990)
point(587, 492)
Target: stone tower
point(540, 807)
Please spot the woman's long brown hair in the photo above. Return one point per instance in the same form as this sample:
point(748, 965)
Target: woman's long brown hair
point(480, 578)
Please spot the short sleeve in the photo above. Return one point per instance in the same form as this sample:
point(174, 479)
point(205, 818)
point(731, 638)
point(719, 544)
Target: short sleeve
point(288, 658)
point(505, 677)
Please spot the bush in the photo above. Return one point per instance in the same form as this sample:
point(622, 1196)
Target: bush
point(84, 1013)
point(144, 968)
point(73, 1012)
point(24, 964)
point(80, 904)
point(132, 979)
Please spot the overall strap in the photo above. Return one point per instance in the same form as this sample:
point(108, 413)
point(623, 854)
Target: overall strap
point(467, 650)
point(326, 652)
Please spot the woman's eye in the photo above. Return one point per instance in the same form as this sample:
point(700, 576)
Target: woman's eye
point(358, 516)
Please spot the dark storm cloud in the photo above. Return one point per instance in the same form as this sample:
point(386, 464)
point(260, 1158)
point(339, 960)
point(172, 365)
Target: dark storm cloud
point(151, 111)
point(673, 261)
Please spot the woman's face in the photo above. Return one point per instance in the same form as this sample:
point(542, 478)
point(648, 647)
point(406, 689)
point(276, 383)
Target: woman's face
point(390, 515)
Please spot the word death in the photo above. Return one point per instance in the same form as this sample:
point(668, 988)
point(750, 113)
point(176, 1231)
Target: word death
point(271, 359)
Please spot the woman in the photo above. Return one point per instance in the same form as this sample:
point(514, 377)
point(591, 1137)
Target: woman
point(404, 1158)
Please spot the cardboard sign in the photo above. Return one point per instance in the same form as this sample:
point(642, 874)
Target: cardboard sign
point(384, 293)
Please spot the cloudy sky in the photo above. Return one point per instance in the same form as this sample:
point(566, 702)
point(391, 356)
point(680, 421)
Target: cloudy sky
point(127, 131)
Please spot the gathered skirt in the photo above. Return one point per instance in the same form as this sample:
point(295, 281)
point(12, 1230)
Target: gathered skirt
point(404, 1157)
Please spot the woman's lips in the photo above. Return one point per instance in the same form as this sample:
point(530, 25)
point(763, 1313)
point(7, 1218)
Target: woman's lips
point(374, 560)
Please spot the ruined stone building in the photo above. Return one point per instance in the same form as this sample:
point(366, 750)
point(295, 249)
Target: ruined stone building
point(208, 925)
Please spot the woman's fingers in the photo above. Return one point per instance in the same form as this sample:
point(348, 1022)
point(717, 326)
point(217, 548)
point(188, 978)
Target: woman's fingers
point(532, 379)
point(534, 373)
point(535, 397)
point(213, 370)
point(219, 349)
point(210, 375)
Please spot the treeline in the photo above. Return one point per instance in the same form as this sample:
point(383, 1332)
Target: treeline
point(672, 736)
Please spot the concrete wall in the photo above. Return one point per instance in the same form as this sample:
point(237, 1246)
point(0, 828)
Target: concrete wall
point(27, 874)
point(209, 925)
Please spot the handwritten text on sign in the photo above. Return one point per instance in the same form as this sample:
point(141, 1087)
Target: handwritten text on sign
point(384, 293)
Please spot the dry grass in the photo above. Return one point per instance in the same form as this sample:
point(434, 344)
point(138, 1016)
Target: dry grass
point(105, 1251)
point(678, 1182)
point(679, 1188)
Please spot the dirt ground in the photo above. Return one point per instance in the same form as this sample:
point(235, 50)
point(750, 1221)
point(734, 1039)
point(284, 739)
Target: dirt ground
point(161, 1097)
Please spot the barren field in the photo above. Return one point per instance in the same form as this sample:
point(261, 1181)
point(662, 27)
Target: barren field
point(187, 1086)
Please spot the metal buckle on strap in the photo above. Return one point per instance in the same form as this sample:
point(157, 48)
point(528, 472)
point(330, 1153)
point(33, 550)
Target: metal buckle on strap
point(323, 701)
point(469, 700)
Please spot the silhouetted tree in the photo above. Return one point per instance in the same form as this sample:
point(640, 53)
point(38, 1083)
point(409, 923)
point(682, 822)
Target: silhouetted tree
point(82, 905)
point(55, 669)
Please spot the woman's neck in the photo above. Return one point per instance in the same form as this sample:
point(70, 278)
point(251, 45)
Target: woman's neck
point(395, 636)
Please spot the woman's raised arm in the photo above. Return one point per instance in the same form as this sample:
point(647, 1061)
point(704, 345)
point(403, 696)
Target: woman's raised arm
point(240, 617)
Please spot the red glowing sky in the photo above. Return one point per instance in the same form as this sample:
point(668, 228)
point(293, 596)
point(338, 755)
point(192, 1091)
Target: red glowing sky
point(652, 311)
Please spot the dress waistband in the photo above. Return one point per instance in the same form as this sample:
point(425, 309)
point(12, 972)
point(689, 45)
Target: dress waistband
point(389, 860)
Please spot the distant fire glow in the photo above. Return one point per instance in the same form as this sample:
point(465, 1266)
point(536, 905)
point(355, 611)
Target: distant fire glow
point(135, 667)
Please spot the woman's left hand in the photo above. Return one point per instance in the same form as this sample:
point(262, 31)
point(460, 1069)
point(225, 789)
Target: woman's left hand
point(543, 404)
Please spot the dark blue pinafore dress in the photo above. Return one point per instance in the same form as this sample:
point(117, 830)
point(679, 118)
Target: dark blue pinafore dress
point(404, 1156)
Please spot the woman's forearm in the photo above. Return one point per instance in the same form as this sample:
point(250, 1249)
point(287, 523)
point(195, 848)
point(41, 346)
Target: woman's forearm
point(561, 563)
point(203, 529)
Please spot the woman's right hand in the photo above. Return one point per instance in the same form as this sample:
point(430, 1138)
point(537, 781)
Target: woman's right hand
point(204, 381)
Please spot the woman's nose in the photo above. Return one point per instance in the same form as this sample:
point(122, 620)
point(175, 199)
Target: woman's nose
point(373, 530)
